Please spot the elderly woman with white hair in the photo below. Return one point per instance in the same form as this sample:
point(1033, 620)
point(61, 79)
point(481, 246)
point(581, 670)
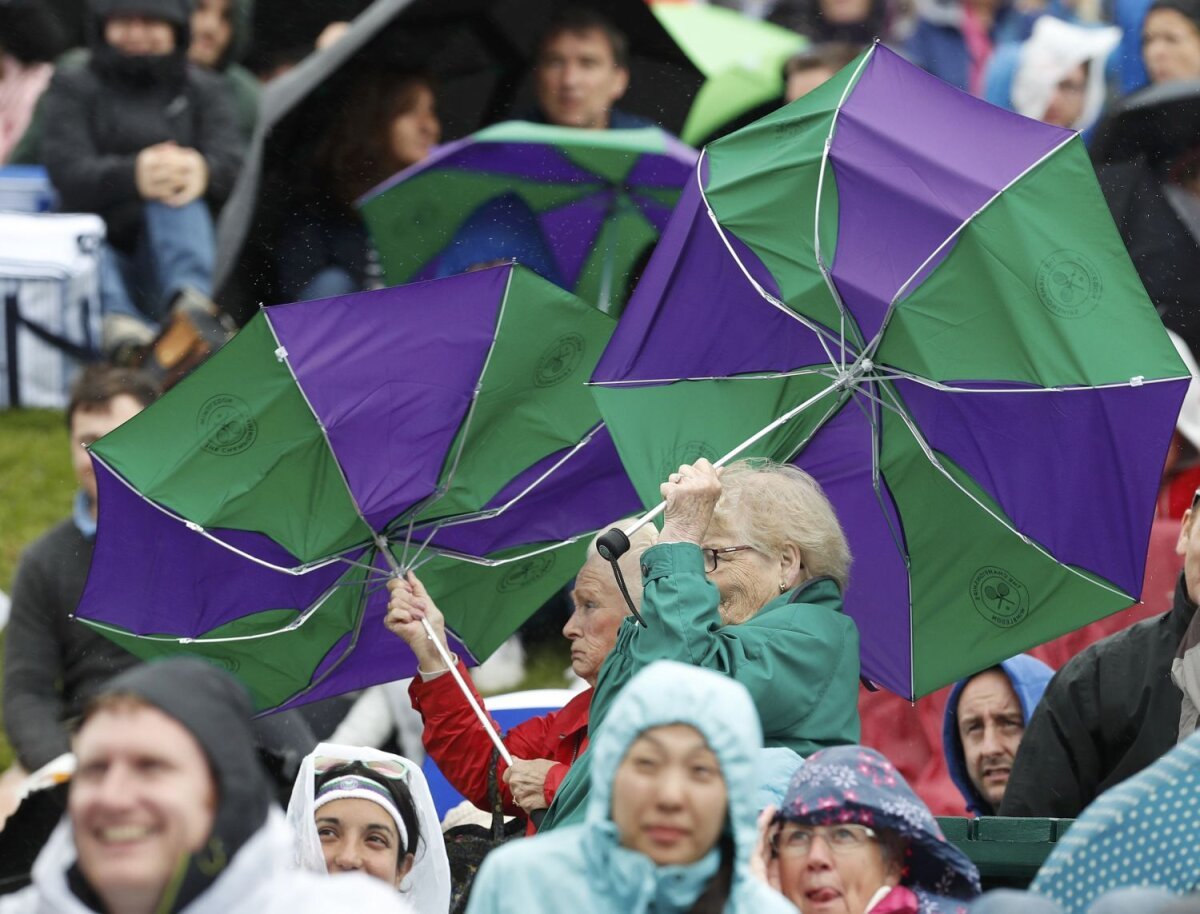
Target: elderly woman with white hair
point(746, 579)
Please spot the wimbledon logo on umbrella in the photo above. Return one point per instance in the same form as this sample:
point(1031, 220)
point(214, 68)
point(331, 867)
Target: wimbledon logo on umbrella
point(999, 597)
point(526, 573)
point(225, 425)
point(558, 361)
point(1068, 284)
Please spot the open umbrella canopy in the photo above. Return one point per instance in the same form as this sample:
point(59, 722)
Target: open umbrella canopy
point(921, 300)
point(1158, 124)
point(582, 207)
point(741, 58)
point(243, 517)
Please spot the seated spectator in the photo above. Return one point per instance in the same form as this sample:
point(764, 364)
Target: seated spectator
point(582, 72)
point(1057, 76)
point(1171, 40)
point(169, 810)
point(852, 837)
point(543, 748)
point(746, 579)
point(52, 664)
point(220, 36)
point(984, 722)
point(149, 143)
point(856, 22)
point(808, 69)
point(954, 39)
point(28, 34)
point(388, 122)
point(1110, 711)
point(355, 809)
point(670, 823)
point(1139, 833)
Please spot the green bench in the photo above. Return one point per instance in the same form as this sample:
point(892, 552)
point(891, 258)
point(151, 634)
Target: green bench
point(1007, 851)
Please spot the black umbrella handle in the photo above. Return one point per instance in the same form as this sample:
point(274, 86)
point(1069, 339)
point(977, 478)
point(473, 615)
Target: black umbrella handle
point(611, 546)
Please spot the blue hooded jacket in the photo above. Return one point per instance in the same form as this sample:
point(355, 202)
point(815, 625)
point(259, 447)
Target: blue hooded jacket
point(585, 869)
point(1029, 678)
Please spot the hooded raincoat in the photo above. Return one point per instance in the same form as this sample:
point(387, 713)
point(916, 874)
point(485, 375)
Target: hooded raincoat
point(243, 867)
point(1029, 678)
point(584, 867)
point(427, 885)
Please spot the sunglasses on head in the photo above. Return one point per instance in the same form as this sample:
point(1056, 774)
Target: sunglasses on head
point(394, 770)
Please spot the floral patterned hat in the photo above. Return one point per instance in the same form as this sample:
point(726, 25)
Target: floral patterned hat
point(857, 784)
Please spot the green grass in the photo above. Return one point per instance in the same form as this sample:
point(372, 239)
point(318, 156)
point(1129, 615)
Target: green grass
point(36, 487)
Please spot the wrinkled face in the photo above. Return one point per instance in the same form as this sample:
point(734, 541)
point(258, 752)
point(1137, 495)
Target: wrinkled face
point(90, 424)
point(578, 80)
point(1170, 46)
point(415, 132)
point(211, 32)
point(801, 82)
point(825, 882)
point(360, 836)
point(1188, 545)
point(747, 580)
point(669, 799)
point(139, 35)
point(141, 800)
point(990, 725)
point(1066, 102)
point(599, 611)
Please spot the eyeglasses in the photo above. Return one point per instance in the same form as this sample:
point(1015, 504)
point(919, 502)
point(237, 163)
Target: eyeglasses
point(797, 841)
point(711, 555)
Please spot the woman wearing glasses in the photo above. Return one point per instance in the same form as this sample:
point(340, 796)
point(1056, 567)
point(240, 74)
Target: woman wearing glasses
point(356, 809)
point(747, 580)
point(670, 824)
point(852, 837)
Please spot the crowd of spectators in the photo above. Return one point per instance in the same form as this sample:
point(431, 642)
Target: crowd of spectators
point(712, 762)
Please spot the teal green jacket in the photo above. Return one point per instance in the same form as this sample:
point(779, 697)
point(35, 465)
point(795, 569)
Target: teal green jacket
point(798, 657)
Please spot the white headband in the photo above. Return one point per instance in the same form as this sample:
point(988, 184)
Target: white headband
point(354, 787)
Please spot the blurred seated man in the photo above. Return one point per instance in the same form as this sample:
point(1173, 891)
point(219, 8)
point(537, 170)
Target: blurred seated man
point(169, 810)
point(151, 144)
point(543, 748)
point(52, 664)
point(220, 35)
point(582, 72)
point(1111, 710)
point(985, 719)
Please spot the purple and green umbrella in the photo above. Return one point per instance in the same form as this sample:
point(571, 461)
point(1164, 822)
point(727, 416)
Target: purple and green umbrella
point(244, 517)
point(580, 206)
point(921, 300)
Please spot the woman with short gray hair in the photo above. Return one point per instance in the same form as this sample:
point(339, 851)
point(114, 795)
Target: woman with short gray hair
point(746, 579)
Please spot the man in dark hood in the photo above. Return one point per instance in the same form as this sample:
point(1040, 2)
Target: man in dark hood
point(169, 809)
point(150, 143)
point(220, 37)
point(984, 721)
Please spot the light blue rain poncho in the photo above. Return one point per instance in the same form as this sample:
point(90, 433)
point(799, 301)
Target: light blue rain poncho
point(585, 869)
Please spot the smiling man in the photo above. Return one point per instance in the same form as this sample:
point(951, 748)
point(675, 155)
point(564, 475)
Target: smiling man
point(985, 719)
point(169, 809)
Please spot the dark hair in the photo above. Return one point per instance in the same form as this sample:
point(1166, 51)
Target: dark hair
point(832, 55)
point(100, 382)
point(578, 19)
point(397, 790)
point(716, 891)
point(355, 153)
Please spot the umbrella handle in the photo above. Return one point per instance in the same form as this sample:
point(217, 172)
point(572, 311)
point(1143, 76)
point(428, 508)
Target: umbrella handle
point(451, 664)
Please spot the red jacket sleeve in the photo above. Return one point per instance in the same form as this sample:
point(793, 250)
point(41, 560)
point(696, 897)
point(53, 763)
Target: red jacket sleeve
point(454, 738)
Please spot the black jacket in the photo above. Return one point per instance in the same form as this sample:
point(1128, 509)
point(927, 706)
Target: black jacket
point(95, 125)
point(1107, 714)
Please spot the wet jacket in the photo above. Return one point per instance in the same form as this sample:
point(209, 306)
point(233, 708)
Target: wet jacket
point(798, 657)
point(585, 868)
point(1106, 715)
point(455, 740)
point(97, 118)
point(1029, 678)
